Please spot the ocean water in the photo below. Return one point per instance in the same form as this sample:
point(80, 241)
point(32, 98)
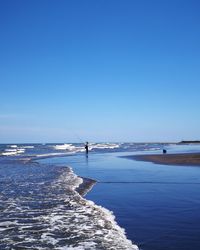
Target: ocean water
point(133, 203)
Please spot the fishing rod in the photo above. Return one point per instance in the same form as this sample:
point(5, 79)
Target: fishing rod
point(79, 139)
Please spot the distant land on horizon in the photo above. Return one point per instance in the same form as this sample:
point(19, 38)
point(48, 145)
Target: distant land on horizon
point(196, 141)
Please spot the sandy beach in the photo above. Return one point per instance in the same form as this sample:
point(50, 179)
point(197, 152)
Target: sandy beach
point(187, 159)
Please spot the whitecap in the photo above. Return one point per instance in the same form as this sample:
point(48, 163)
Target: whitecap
point(65, 146)
point(28, 147)
point(69, 147)
point(12, 152)
point(104, 146)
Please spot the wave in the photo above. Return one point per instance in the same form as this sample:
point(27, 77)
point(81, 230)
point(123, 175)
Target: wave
point(92, 146)
point(94, 226)
point(65, 146)
point(12, 152)
point(69, 147)
point(53, 215)
point(24, 146)
point(103, 146)
point(28, 147)
point(152, 149)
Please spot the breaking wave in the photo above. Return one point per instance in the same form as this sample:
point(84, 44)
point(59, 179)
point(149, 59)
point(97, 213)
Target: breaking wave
point(104, 146)
point(44, 212)
point(69, 147)
point(92, 146)
point(52, 150)
point(14, 151)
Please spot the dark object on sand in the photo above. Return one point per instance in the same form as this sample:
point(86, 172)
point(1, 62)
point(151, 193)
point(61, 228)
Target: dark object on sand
point(164, 151)
point(86, 147)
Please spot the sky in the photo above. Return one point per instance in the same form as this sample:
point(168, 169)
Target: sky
point(104, 70)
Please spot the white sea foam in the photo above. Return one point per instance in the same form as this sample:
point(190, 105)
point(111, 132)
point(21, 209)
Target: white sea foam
point(60, 219)
point(104, 146)
point(152, 149)
point(92, 146)
point(28, 147)
point(12, 152)
point(65, 146)
point(94, 225)
point(69, 147)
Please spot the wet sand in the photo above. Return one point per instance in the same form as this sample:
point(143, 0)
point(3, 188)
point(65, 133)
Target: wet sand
point(86, 186)
point(187, 159)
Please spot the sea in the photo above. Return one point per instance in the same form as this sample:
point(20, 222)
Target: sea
point(54, 196)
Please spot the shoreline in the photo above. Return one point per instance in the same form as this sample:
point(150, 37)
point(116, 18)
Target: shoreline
point(179, 159)
point(85, 186)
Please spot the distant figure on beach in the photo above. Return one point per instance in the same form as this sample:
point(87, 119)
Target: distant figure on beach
point(86, 148)
point(164, 151)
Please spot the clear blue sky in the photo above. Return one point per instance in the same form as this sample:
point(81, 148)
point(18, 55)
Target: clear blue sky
point(103, 70)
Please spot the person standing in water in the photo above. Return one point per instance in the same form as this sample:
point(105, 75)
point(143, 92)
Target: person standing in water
point(86, 148)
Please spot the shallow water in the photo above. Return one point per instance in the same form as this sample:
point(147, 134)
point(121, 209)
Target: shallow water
point(157, 205)
point(41, 209)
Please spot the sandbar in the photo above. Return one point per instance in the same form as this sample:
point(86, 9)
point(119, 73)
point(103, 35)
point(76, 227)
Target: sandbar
point(183, 159)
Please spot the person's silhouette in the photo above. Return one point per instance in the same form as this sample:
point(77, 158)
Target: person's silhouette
point(164, 151)
point(86, 148)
